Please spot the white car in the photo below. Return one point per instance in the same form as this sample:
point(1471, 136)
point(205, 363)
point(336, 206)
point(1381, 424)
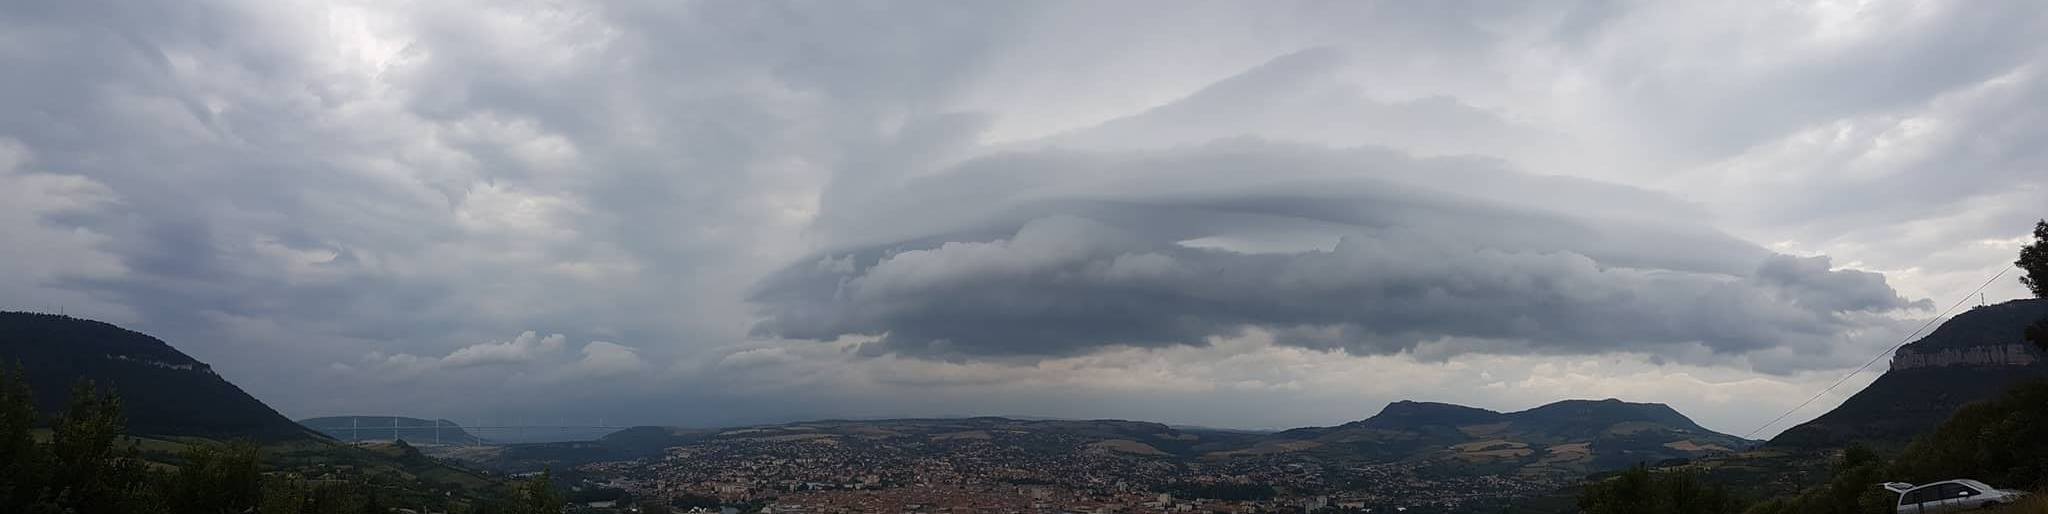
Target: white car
point(1950, 496)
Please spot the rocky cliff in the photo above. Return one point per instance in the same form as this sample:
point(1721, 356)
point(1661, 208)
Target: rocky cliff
point(1975, 356)
point(2015, 354)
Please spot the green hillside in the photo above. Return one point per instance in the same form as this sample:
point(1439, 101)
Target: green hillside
point(1567, 437)
point(1904, 403)
point(165, 391)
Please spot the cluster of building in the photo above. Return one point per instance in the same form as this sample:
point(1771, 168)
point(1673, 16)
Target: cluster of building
point(1028, 473)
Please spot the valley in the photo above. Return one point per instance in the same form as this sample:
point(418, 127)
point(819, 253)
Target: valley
point(1425, 457)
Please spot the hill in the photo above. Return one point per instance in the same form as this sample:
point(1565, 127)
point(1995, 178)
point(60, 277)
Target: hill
point(627, 444)
point(1564, 438)
point(164, 391)
point(1976, 356)
point(1415, 457)
point(2001, 441)
point(176, 414)
point(391, 428)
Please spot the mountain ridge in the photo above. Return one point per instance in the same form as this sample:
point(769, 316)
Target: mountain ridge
point(1563, 438)
point(1972, 357)
point(163, 391)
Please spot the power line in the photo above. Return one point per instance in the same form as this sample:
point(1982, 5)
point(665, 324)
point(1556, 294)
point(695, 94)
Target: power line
point(1881, 355)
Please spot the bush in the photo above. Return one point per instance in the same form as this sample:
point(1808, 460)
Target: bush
point(84, 468)
point(1641, 491)
point(2003, 442)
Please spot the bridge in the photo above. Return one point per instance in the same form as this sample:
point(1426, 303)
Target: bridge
point(444, 433)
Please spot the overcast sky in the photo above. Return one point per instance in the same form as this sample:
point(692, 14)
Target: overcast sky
point(1238, 214)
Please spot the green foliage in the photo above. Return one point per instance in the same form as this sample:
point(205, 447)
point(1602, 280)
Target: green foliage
point(85, 468)
point(535, 495)
point(2034, 261)
point(86, 471)
point(1852, 490)
point(1641, 491)
point(164, 392)
point(21, 464)
point(2038, 333)
point(218, 479)
point(538, 496)
point(81, 469)
point(2003, 442)
point(2036, 503)
point(283, 495)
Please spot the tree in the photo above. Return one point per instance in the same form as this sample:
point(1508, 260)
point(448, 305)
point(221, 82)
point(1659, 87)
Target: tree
point(283, 495)
point(337, 499)
point(2038, 333)
point(2034, 261)
point(219, 478)
point(2002, 441)
point(84, 468)
point(86, 472)
point(537, 495)
point(1852, 489)
point(372, 505)
point(21, 461)
point(1640, 491)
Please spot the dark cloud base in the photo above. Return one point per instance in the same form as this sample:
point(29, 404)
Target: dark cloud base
point(1414, 260)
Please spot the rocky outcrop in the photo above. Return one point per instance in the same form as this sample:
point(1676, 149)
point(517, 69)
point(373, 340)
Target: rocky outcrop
point(1975, 356)
point(1985, 355)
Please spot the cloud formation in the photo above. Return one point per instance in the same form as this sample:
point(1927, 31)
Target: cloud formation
point(964, 206)
point(1100, 250)
point(522, 349)
point(529, 359)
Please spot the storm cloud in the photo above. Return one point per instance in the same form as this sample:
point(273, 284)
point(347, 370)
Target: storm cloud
point(1053, 208)
point(1362, 249)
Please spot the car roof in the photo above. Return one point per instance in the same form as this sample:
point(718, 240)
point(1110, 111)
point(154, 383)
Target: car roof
point(1964, 481)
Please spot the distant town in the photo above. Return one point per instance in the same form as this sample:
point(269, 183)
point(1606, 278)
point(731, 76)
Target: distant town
point(1015, 472)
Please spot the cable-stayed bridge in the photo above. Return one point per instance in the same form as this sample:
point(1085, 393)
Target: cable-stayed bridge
point(445, 432)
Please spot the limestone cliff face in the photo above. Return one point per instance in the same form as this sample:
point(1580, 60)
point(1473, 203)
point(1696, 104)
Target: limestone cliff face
point(1977, 355)
point(2015, 354)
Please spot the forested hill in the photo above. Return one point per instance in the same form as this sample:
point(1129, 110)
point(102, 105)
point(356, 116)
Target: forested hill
point(1973, 357)
point(163, 391)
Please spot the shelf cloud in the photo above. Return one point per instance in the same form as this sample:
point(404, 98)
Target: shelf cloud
point(1051, 208)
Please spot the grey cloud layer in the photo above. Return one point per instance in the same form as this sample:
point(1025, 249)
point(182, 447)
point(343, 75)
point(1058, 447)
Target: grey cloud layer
point(316, 197)
point(1098, 249)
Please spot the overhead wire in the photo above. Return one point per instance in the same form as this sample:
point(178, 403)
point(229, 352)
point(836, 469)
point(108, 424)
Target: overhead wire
point(1881, 355)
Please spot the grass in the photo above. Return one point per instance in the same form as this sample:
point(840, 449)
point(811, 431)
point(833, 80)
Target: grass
point(2036, 503)
point(313, 457)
